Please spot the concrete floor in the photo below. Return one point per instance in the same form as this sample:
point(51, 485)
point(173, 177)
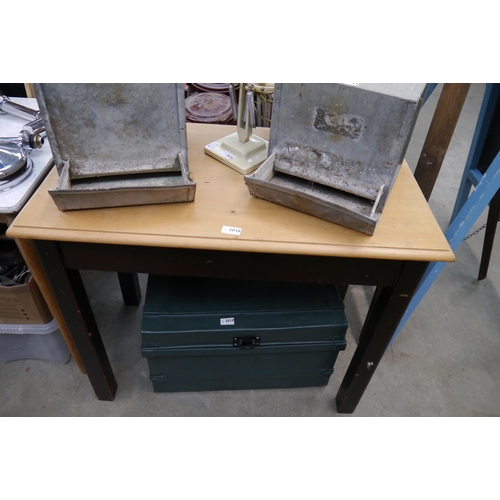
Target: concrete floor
point(444, 362)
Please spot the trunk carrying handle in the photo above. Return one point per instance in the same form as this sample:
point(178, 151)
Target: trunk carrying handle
point(246, 342)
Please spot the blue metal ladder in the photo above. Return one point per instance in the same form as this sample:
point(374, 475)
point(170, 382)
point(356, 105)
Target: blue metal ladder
point(467, 208)
point(486, 144)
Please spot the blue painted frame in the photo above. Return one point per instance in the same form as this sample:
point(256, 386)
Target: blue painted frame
point(467, 208)
point(472, 175)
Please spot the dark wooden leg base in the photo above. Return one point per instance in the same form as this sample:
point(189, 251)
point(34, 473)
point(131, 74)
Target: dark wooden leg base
point(131, 291)
point(489, 237)
point(386, 310)
point(71, 297)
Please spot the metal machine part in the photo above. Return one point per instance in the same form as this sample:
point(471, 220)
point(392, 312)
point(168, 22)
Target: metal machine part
point(14, 108)
point(232, 96)
point(14, 150)
point(7, 183)
point(33, 133)
point(17, 187)
point(12, 157)
point(245, 110)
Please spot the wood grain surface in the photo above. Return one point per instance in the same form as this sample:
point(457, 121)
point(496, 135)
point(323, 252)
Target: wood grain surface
point(407, 229)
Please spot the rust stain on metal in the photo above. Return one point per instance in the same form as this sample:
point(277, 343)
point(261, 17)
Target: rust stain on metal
point(323, 167)
point(338, 124)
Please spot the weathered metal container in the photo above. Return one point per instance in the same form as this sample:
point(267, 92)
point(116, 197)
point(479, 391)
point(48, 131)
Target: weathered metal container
point(117, 144)
point(335, 149)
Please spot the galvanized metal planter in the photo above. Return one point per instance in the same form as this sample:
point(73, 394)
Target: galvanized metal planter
point(335, 149)
point(117, 144)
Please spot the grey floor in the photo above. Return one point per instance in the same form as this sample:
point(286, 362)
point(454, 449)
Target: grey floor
point(444, 362)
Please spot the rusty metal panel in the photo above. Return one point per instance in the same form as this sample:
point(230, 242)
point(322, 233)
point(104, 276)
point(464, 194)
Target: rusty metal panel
point(346, 140)
point(311, 198)
point(126, 190)
point(117, 144)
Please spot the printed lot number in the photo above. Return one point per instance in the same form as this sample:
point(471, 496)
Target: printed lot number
point(231, 230)
point(227, 155)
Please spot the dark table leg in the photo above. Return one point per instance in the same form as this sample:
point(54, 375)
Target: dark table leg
point(342, 289)
point(386, 310)
point(131, 291)
point(489, 237)
point(71, 297)
point(439, 136)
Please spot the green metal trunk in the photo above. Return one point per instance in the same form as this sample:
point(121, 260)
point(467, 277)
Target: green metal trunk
point(204, 334)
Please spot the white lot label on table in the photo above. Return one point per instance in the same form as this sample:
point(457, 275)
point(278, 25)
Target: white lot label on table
point(227, 321)
point(231, 230)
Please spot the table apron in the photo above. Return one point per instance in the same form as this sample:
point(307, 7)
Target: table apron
point(229, 264)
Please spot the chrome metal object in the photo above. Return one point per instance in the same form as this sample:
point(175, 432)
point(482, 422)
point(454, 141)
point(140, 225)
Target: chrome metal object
point(14, 150)
point(13, 108)
point(16, 188)
point(13, 156)
point(234, 104)
point(33, 133)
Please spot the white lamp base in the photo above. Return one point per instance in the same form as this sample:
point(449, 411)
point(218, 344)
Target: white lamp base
point(244, 157)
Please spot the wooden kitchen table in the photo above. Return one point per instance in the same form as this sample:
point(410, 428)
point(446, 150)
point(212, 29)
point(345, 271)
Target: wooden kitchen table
point(276, 243)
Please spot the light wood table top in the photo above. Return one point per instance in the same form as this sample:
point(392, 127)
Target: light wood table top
point(407, 229)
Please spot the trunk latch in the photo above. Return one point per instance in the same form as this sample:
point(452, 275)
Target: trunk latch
point(246, 342)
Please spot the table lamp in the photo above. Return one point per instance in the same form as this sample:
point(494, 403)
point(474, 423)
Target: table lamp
point(241, 150)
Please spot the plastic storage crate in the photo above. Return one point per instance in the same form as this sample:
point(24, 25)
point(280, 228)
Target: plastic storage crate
point(43, 342)
point(201, 334)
